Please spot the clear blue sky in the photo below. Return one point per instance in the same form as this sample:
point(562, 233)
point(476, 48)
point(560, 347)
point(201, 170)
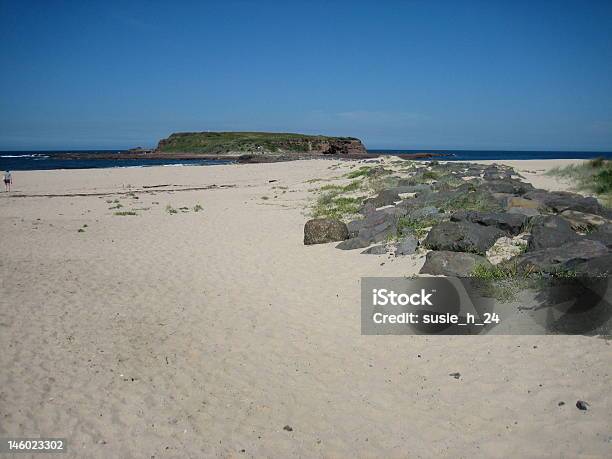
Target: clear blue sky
point(414, 74)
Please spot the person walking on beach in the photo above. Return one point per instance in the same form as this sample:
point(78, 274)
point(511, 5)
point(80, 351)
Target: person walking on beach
point(8, 179)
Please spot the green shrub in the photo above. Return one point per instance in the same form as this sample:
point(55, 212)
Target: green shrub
point(419, 227)
point(430, 175)
point(329, 205)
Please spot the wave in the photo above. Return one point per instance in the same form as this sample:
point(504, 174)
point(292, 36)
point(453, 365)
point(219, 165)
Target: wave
point(36, 155)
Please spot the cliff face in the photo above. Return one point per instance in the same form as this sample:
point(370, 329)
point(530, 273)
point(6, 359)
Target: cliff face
point(260, 143)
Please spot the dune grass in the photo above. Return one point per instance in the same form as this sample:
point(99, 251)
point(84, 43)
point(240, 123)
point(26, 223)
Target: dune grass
point(330, 205)
point(125, 213)
point(593, 176)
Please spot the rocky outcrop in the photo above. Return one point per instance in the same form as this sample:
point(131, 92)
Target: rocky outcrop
point(322, 230)
point(260, 143)
point(464, 212)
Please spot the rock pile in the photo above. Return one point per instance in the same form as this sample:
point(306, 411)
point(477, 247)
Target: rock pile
point(469, 215)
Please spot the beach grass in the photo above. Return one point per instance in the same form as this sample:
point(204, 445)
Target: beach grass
point(330, 205)
point(418, 226)
point(125, 213)
point(593, 176)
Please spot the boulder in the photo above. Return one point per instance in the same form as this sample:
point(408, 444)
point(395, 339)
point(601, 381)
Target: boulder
point(509, 223)
point(322, 230)
point(407, 186)
point(522, 203)
point(378, 225)
point(582, 221)
point(527, 212)
point(384, 198)
point(376, 250)
point(564, 257)
point(423, 212)
point(550, 231)
point(406, 246)
point(354, 227)
point(599, 266)
point(508, 185)
point(445, 263)
point(602, 234)
point(558, 201)
point(353, 243)
point(462, 237)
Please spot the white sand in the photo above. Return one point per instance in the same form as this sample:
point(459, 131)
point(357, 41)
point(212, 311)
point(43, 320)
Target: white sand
point(201, 334)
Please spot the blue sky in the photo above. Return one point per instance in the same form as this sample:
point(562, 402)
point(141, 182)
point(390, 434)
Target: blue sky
point(413, 74)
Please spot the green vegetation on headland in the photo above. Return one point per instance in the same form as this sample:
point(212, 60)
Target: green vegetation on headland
point(217, 143)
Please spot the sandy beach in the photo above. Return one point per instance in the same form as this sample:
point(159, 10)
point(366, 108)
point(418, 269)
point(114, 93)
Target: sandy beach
point(217, 332)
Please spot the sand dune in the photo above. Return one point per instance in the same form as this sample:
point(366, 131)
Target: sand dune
point(207, 333)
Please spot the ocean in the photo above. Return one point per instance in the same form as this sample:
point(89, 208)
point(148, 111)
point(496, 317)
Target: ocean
point(47, 160)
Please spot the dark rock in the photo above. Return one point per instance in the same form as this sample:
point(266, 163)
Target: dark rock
point(288, 428)
point(582, 221)
point(455, 375)
point(602, 234)
point(379, 225)
point(526, 211)
point(384, 198)
point(582, 405)
point(406, 246)
point(322, 230)
point(423, 212)
point(564, 257)
point(600, 266)
point(495, 172)
point(367, 207)
point(353, 243)
point(462, 237)
point(509, 223)
point(550, 231)
point(354, 227)
point(401, 189)
point(509, 186)
point(459, 264)
point(379, 232)
point(408, 186)
point(558, 201)
point(376, 250)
